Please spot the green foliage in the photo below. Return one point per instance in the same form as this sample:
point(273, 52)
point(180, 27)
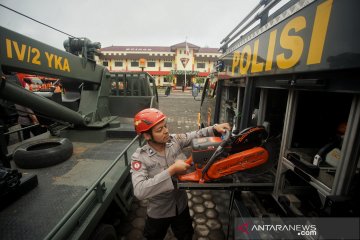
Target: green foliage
point(169, 78)
point(199, 80)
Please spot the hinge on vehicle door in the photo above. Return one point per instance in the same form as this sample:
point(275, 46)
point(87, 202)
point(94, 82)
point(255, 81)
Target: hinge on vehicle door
point(100, 190)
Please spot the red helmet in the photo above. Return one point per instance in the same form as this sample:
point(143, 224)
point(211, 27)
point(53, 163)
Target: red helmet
point(147, 118)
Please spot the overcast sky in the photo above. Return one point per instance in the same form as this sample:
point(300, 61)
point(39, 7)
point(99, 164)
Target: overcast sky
point(127, 22)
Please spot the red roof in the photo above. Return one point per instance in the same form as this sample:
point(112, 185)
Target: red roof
point(183, 45)
point(156, 73)
point(165, 73)
point(159, 73)
point(158, 48)
point(136, 49)
point(209, 50)
point(203, 74)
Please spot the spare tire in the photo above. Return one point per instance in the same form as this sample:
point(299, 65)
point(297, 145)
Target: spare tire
point(43, 153)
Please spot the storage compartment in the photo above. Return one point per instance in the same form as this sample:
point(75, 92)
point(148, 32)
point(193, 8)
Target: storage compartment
point(231, 103)
point(275, 111)
point(320, 118)
point(232, 108)
point(316, 142)
point(309, 203)
point(298, 197)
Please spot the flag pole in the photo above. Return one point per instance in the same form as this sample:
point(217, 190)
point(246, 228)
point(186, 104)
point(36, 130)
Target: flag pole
point(186, 64)
point(185, 79)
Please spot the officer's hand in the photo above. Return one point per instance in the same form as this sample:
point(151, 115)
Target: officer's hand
point(221, 128)
point(178, 167)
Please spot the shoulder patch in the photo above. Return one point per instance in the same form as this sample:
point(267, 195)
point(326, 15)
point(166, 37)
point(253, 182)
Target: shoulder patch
point(180, 136)
point(136, 165)
point(144, 148)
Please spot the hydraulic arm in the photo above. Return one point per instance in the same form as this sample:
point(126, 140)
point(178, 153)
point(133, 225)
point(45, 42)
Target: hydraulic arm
point(22, 54)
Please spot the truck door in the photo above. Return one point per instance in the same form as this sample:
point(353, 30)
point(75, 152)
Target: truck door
point(208, 101)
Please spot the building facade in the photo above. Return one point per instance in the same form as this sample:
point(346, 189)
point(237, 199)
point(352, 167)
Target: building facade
point(177, 65)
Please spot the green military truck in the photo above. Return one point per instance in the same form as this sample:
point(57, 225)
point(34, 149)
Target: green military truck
point(76, 184)
point(297, 74)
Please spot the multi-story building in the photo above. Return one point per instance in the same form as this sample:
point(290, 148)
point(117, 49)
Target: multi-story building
point(177, 65)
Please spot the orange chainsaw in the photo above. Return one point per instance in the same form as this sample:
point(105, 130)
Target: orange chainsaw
point(216, 157)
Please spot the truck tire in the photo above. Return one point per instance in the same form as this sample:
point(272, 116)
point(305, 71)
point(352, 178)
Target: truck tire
point(104, 232)
point(43, 153)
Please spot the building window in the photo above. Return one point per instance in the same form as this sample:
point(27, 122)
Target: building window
point(151, 64)
point(134, 64)
point(118, 64)
point(105, 63)
point(200, 65)
point(168, 64)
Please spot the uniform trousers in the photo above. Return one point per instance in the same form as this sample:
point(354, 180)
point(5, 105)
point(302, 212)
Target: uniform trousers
point(181, 225)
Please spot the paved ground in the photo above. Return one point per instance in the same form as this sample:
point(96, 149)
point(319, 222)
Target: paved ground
point(208, 208)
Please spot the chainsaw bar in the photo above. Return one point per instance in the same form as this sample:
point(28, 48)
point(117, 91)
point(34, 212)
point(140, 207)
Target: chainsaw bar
point(272, 149)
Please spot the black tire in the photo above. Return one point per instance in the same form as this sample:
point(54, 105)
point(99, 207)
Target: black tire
point(104, 232)
point(43, 153)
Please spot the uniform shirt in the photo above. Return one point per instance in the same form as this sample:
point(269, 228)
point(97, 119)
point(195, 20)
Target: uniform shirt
point(152, 181)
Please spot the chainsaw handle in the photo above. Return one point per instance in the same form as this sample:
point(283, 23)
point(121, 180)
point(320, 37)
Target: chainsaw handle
point(189, 160)
point(226, 137)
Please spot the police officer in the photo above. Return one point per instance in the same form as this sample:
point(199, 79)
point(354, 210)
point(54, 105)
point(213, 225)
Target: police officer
point(152, 168)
